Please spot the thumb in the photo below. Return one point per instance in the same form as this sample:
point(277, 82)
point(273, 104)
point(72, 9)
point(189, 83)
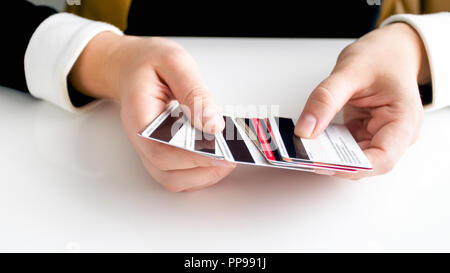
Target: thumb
point(324, 102)
point(181, 74)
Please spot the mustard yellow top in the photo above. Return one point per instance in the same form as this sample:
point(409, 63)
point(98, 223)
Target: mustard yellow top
point(391, 7)
point(111, 11)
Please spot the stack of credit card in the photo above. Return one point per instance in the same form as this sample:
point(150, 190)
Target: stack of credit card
point(269, 142)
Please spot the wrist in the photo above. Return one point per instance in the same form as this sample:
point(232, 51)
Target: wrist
point(417, 51)
point(95, 72)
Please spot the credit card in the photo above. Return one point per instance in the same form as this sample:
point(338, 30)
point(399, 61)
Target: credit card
point(172, 127)
point(238, 147)
point(201, 142)
point(269, 145)
point(267, 142)
point(335, 147)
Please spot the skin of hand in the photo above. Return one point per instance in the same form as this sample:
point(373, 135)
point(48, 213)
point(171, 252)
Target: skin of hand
point(144, 75)
point(375, 81)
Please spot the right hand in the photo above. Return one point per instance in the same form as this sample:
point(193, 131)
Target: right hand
point(375, 81)
point(145, 74)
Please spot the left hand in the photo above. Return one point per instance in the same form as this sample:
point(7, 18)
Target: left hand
point(144, 75)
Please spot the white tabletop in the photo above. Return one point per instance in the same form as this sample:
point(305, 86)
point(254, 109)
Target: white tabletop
point(74, 183)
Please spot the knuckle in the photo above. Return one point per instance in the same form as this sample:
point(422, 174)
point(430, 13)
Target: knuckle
point(324, 96)
point(349, 52)
point(164, 178)
point(160, 176)
point(344, 52)
point(173, 55)
point(353, 50)
point(193, 94)
point(161, 42)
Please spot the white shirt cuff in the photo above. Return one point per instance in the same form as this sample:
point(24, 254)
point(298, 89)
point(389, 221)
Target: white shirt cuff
point(51, 53)
point(434, 31)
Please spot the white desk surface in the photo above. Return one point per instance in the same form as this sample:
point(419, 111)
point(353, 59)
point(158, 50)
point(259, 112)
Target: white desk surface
point(74, 183)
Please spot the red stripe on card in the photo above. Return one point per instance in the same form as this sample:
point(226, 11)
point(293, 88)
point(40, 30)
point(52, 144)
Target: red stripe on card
point(271, 133)
point(262, 139)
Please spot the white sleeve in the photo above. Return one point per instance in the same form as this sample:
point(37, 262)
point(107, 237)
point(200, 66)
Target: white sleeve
point(52, 51)
point(434, 29)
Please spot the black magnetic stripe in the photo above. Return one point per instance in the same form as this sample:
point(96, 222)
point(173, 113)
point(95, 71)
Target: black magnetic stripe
point(293, 144)
point(204, 142)
point(235, 143)
point(164, 130)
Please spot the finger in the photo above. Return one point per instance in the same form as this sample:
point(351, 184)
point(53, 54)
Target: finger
point(352, 112)
point(350, 175)
point(364, 144)
point(165, 157)
point(143, 103)
point(324, 102)
point(384, 149)
point(138, 110)
point(180, 180)
point(358, 130)
point(387, 146)
point(201, 187)
point(325, 172)
point(179, 70)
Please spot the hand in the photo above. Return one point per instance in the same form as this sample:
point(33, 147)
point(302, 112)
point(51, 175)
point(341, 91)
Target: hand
point(145, 74)
point(376, 81)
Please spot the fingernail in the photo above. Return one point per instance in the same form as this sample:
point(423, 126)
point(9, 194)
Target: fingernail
point(306, 125)
point(209, 112)
point(212, 119)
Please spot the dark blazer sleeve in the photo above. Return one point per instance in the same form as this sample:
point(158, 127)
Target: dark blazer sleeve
point(18, 21)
